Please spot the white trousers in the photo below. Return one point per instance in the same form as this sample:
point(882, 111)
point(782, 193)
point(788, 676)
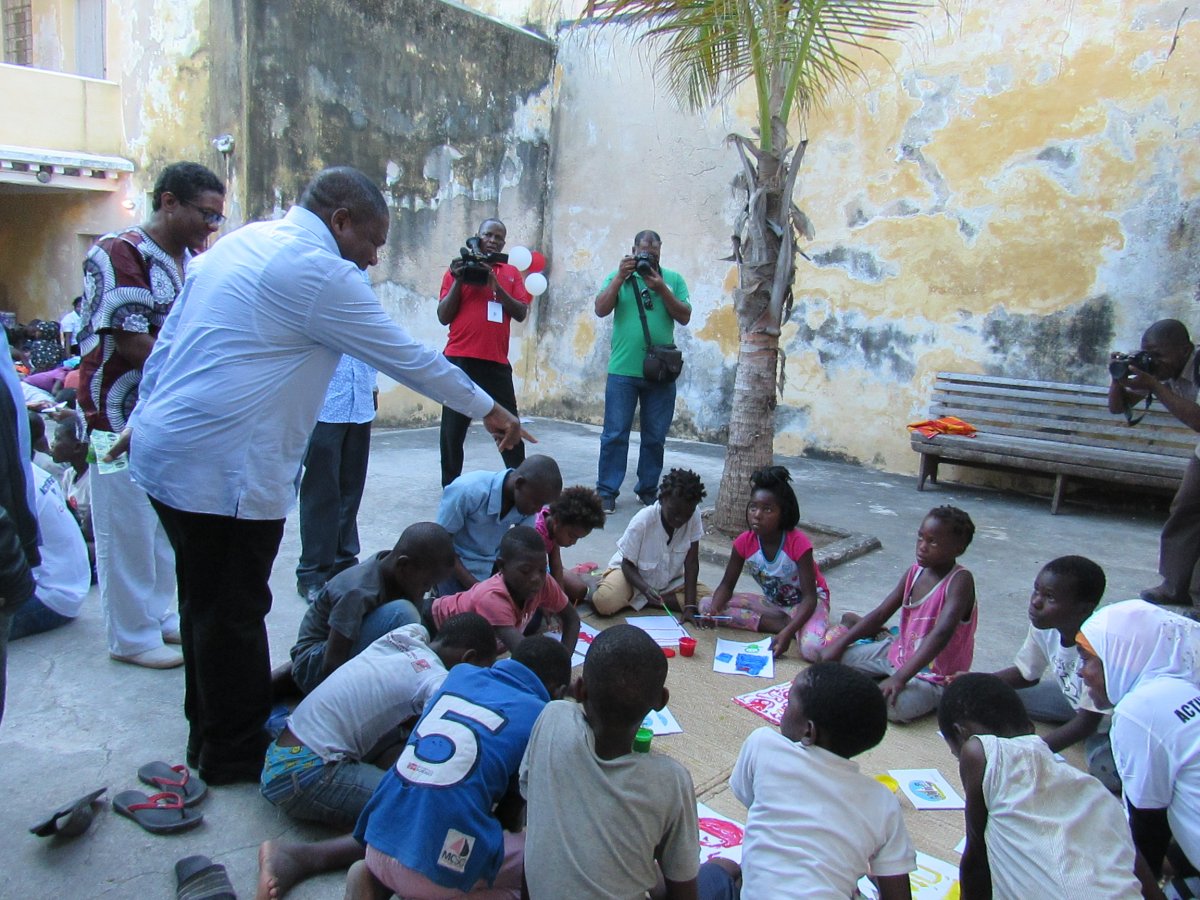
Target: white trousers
point(134, 563)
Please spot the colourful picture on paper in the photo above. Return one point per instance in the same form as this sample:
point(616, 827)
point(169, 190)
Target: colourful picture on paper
point(933, 879)
point(719, 835)
point(665, 630)
point(662, 721)
point(754, 659)
point(927, 789)
point(768, 702)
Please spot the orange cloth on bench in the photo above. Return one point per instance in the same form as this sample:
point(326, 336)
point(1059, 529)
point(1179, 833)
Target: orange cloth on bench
point(931, 428)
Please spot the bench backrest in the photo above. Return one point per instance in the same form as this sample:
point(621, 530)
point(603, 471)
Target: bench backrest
point(1047, 410)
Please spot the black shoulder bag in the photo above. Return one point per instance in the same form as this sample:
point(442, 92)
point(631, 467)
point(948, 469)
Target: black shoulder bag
point(663, 362)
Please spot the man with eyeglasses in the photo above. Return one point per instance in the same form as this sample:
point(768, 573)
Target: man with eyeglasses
point(479, 317)
point(664, 297)
point(131, 279)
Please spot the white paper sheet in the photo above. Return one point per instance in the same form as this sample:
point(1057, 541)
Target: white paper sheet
point(587, 634)
point(662, 721)
point(755, 658)
point(664, 629)
point(934, 879)
point(719, 835)
point(767, 702)
point(927, 789)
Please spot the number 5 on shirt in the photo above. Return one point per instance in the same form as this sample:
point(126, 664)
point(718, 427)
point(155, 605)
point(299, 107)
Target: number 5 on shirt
point(445, 749)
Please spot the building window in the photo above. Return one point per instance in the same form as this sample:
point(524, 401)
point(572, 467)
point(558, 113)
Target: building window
point(16, 21)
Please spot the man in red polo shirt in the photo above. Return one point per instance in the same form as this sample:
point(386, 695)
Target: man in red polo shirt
point(479, 316)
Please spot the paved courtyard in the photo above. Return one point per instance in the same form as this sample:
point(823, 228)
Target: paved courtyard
point(77, 720)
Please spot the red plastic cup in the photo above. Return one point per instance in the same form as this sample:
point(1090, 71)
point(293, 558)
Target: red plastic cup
point(687, 646)
point(668, 652)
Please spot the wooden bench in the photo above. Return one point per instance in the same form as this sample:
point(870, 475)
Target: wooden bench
point(1064, 430)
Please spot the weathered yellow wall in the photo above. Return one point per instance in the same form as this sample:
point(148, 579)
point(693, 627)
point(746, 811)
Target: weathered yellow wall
point(158, 53)
point(1013, 191)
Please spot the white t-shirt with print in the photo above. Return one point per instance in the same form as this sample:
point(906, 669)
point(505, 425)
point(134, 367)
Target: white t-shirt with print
point(65, 575)
point(1156, 745)
point(658, 559)
point(1043, 650)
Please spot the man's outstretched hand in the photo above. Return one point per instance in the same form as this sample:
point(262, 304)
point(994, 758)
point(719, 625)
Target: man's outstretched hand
point(506, 428)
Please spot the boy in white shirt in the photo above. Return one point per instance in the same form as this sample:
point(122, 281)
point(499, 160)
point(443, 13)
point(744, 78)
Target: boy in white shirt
point(658, 557)
point(817, 824)
point(1065, 593)
point(1036, 826)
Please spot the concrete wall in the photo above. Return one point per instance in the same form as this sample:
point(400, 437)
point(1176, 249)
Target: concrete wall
point(1013, 191)
point(447, 109)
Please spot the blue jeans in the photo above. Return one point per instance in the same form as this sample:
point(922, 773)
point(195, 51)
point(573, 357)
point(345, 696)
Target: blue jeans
point(308, 666)
point(333, 793)
point(622, 395)
point(33, 617)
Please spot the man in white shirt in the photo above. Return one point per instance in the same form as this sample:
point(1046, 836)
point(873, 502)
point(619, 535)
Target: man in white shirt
point(228, 400)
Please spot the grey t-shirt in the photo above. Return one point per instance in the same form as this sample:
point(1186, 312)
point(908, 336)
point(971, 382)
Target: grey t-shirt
point(347, 599)
point(596, 825)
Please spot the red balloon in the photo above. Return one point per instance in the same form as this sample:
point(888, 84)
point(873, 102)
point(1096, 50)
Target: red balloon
point(539, 262)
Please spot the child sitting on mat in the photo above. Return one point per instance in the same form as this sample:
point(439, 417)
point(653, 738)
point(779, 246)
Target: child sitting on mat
point(573, 516)
point(814, 818)
point(779, 556)
point(938, 615)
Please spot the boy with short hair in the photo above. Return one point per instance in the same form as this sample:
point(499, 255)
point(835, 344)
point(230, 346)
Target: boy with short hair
point(813, 815)
point(520, 588)
point(327, 762)
point(1065, 593)
point(479, 507)
point(658, 557)
point(1036, 827)
point(365, 602)
point(580, 775)
point(434, 825)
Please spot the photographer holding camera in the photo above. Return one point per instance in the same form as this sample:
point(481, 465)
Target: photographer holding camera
point(647, 300)
point(1167, 369)
point(480, 295)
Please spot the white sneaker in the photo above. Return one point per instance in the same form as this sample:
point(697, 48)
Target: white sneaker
point(157, 658)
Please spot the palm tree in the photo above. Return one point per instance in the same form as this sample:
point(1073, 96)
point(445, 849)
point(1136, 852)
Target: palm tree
point(794, 54)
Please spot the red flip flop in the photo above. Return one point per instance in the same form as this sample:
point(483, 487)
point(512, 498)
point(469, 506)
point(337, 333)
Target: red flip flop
point(174, 780)
point(159, 813)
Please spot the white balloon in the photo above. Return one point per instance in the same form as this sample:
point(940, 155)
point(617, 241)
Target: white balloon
point(520, 257)
point(536, 284)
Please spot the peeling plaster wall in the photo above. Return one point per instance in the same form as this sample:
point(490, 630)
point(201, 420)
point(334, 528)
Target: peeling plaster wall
point(1014, 192)
point(448, 110)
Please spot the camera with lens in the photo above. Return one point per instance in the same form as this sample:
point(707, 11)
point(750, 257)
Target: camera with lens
point(477, 264)
point(646, 264)
point(1118, 366)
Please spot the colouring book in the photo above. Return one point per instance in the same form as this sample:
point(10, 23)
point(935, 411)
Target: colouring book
point(768, 702)
point(664, 629)
point(933, 879)
point(719, 836)
point(662, 721)
point(755, 658)
point(927, 789)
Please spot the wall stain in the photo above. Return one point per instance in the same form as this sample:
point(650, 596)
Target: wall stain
point(1072, 345)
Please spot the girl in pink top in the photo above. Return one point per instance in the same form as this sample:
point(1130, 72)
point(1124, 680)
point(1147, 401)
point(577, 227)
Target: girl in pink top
point(569, 519)
point(936, 600)
point(779, 556)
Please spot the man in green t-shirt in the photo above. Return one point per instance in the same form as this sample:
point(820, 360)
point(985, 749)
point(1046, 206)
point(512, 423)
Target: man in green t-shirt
point(665, 298)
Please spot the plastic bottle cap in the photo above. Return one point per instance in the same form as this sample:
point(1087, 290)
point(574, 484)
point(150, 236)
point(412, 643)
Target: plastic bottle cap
point(641, 741)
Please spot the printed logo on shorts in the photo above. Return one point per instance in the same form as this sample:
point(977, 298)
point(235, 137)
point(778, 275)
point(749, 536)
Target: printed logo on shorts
point(456, 850)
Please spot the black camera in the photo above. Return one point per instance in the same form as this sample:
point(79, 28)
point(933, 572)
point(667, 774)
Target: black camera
point(1118, 366)
point(477, 265)
point(646, 264)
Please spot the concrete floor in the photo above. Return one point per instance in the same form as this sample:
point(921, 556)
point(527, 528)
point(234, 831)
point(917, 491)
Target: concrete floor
point(76, 720)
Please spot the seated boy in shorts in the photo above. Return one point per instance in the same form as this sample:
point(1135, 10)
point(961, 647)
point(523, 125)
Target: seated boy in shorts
point(1065, 594)
point(814, 818)
point(603, 820)
point(445, 817)
point(340, 740)
point(361, 604)
point(658, 557)
point(479, 507)
point(510, 599)
point(1036, 826)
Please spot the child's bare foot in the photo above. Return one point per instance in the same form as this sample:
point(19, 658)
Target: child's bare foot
point(849, 620)
point(280, 867)
point(361, 884)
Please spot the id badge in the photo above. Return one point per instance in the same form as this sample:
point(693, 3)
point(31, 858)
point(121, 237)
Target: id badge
point(495, 311)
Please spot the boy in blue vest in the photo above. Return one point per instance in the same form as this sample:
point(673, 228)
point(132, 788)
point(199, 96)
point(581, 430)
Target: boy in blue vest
point(430, 827)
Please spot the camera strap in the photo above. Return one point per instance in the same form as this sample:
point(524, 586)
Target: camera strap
point(637, 296)
point(1130, 407)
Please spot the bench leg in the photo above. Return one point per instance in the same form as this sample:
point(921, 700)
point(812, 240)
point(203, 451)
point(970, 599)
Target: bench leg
point(1060, 484)
point(929, 466)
